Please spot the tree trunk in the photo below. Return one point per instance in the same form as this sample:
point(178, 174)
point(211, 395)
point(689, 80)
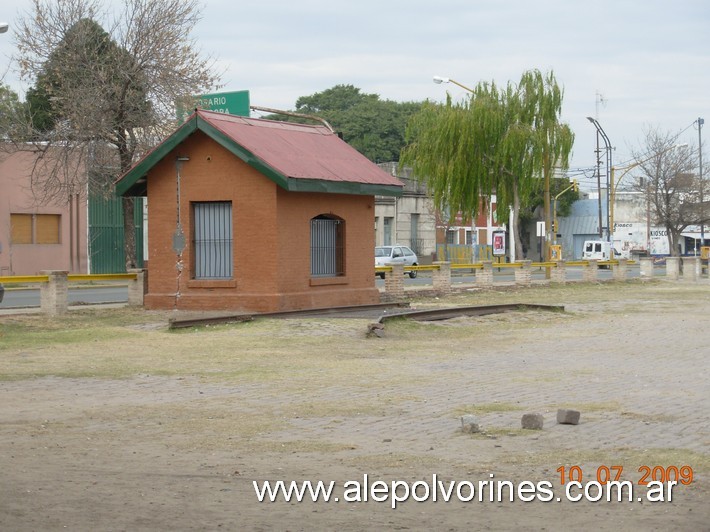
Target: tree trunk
point(515, 222)
point(673, 238)
point(125, 154)
point(129, 233)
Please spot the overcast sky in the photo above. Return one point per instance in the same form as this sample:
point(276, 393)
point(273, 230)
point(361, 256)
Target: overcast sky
point(631, 64)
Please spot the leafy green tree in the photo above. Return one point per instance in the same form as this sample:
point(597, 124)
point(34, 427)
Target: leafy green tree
point(374, 127)
point(10, 109)
point(502, 141)
point(102, 98)
point(529, 211)
point(40, 111)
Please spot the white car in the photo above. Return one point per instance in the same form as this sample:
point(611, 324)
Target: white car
point(385, 255)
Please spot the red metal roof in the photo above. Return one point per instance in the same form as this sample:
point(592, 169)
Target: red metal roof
point(300, 151)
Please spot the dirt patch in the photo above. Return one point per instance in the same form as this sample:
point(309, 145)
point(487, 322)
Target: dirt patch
point(110, 421)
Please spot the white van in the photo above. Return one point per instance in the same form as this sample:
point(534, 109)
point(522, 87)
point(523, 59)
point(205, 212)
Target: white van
point(598, 250)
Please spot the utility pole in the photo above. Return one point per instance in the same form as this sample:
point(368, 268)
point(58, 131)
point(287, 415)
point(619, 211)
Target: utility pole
point(700, 161)
point(599, 186)
point(607, 144)
point(545, 251)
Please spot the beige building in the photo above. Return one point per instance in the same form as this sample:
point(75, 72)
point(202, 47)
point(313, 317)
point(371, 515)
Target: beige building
point(409, 220)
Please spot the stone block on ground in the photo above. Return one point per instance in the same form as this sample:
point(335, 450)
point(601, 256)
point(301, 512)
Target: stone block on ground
point(532, 421)
point(376, 329)
point(568, 417)
point(470, 424)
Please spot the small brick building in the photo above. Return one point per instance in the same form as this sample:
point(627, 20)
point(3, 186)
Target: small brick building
point(258, 215)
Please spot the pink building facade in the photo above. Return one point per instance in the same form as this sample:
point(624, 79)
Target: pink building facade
point(37, 237)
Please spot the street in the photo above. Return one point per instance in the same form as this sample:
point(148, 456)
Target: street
point(30, 296)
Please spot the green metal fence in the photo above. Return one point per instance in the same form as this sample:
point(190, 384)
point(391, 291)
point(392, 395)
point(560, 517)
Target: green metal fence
point(106, 234)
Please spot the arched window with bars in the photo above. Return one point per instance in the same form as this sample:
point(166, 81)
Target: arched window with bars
point(327, 246)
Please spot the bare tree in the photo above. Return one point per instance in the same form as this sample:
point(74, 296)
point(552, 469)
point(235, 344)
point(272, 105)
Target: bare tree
point(104, 92)
point(672, 189)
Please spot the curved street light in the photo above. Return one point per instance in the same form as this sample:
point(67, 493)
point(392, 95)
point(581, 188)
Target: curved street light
point(4, 26)
point(439, 79)
point(607, 144)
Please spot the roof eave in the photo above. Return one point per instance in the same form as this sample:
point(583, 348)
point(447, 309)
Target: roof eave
point(129, 184)
point(342, 187)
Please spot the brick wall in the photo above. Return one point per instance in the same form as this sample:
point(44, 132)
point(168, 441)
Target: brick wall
point(271, 230)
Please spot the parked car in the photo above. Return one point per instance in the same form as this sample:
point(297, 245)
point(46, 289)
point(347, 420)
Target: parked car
point(396, 254)
point(2, 292)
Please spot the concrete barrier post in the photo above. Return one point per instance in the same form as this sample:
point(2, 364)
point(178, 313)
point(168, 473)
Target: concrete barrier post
point(558, 274)
point(672, 268)
point(646, 267)
point(621, 270)
point(441, 278)
point(137, 287)
point(54, 294)
point(394, 281)
point(691, 268)
point(484, 276)
point(523, 275)
point(591, 272)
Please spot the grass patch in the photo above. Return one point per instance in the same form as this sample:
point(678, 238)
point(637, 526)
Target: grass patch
point(485, 408)
point(300, 446)
point(607, 406)
point(377, 462)
point(649, 418)
point(499, 432)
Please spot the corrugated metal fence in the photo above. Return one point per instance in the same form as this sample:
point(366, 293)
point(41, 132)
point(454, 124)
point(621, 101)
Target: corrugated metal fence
point(106, 234)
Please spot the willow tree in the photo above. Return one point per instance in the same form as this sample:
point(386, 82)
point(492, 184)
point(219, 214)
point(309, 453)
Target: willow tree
point(105, 91)
point(502, 142)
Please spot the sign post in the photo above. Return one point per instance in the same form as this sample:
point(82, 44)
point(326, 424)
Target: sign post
point(498, 243)
point(541, 234)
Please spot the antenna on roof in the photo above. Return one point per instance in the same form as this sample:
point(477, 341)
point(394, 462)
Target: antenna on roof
point(600, 100)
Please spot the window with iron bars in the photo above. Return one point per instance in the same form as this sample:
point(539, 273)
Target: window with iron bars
point(327, 246)
point(212, 240)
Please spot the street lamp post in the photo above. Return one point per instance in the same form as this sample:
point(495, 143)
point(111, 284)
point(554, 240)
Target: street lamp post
point(4, 26)
point(573, 185)
point(607, 144)
point(439, 80)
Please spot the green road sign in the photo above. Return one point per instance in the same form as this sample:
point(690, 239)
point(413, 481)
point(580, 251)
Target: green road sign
point(231, 103)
